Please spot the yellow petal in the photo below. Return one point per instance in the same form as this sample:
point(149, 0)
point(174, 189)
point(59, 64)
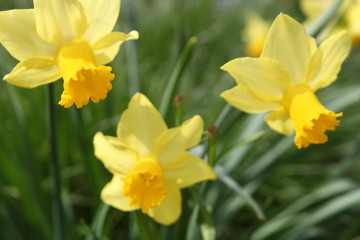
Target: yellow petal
point(248, 103)
point(326, 62)
point(140, 125)
point(112, 195)
point(263, 77)
point(195, 170)
point(174, 141)
point(107, 47)
point(102, 16)
point(288, 44)
point(18, 35)
point(33, 72)
point(115, 155)
point(60, 22)
point(280, 121)
point(170, 208)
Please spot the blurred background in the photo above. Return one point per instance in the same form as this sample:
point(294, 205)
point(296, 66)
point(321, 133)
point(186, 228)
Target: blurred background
point(312, 193)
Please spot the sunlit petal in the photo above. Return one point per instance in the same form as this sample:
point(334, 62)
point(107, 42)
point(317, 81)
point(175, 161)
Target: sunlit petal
point(33, 72)
point(102, 18)
point(140, 125)
point(116, 155)
point(174, 141)
point(195, 170)
point(263, 77)
point(112, 194)
point(170, 208)
point(280, 121)
point(248, 103)
point(326, 62)
point(18, 35)
point(288, 44)
point(60, 22)
point(107, 47)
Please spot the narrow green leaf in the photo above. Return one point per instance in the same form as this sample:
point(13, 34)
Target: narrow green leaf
point(231, 183)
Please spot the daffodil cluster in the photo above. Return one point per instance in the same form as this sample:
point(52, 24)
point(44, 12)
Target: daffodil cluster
point(69, 39)
point(284, 78)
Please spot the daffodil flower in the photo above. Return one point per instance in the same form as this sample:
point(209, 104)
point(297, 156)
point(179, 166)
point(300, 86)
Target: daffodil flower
point(149, 162)
point(284, 79)
point(254, 34)
point(69, 39)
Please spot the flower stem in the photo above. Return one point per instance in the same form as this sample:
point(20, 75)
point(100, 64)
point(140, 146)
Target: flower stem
point(58, 216)
point(147, 231)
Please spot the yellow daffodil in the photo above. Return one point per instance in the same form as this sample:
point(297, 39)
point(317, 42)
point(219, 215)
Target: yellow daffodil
point(71, 39)
point(254, 34)
point(350, 22)
point(149, 162)
point(284, 79)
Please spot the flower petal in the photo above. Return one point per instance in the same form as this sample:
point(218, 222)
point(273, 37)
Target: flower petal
point(288, 44)
point(115, 155)
point(280, 122)
point(112, 194)
point(170, 208)
point(102, 15)
point(174, 141)
point(195, 170)
point(60, 22)
point(140, 125)
point(326, 62)
point(107, 47)
point(246, 102)
point(33, 72)
point(18, 35)
point(263, 77)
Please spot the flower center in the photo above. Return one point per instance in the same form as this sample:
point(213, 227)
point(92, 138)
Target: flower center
point(311, 119)
point(144, 185)
point(83, 79)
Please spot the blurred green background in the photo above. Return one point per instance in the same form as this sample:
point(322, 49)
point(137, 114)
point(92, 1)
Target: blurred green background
point(311, 193)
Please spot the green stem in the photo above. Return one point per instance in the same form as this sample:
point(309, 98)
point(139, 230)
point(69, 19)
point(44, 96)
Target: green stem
point(176, 76)
point(58, 216)
point(145, 229)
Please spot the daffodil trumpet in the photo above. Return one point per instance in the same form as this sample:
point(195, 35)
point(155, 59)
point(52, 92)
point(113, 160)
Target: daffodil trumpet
point(284, 79)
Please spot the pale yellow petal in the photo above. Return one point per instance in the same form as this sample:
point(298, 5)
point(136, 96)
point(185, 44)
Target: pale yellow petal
point(326, 62)
point(248, 103)
point(112, 194)
point(174, 141)
point(288, 44)
point(102, 18)
point(115, 155)
point(140, 125)
point(280, 122)
point(18, 35)
point(33, 72)
point(195, 170)
point(60, 22)
point(263, 77)
point(107, 47)
point(170, 208)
